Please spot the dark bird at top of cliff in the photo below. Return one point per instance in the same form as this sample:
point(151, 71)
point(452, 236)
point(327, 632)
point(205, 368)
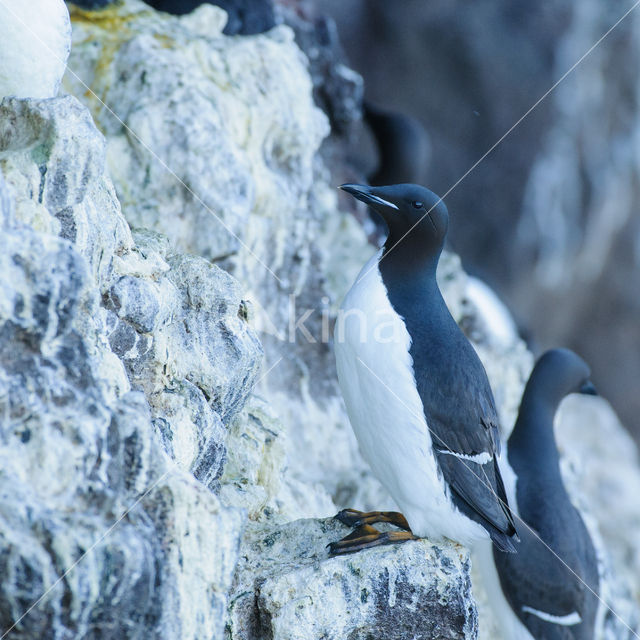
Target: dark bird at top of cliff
point(417, 394)
point(90, 4)
point(552, 582)
point(403, 149)
point(246, 17)
point(403, 146)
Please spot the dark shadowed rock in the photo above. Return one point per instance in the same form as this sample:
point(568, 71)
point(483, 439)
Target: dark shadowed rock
point(245, 17)
point(338, 89)
point(90, 4)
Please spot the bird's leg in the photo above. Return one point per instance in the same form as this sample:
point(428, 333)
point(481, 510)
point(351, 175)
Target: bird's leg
point(366, 537)
point(353, 518)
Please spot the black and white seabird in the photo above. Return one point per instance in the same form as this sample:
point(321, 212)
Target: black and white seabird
point(538, 593)
point(417, 395)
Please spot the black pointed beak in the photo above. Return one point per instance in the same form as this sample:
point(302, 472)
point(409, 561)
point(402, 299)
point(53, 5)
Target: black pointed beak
point(588, 389)
point(367, 195)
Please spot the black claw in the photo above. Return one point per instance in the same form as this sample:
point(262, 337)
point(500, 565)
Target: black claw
point(336, 550)
point(346, 517)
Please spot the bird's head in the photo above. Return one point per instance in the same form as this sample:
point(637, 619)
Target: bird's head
point(410, 212)
point(561, 372)
point(556, 374)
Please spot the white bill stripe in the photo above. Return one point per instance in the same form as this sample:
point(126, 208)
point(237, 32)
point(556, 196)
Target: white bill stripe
point(379, 200)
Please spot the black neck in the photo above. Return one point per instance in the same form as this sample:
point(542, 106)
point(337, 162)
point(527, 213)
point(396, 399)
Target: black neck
point(532, 445)
point(410, 279)
point(407, 258)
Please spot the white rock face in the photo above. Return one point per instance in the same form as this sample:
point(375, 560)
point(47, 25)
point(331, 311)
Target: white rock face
point(600, 465)
point(215, 145)
point(35, 38)
point(130, 366)
point(87, 314)
point(286, 587)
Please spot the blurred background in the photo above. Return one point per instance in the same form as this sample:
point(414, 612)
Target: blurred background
point(550, 218)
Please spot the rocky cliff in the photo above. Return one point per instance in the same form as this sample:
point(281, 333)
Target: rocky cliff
point(172, 439)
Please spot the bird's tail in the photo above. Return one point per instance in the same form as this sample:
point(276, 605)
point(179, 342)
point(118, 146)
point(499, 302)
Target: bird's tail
point(504, 542)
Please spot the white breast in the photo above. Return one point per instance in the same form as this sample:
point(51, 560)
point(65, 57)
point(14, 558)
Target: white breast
point(35, 39)
point(375, 371)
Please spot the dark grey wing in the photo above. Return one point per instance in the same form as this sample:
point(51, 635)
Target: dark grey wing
point(545, 594)
point(463, 422)
point(477, 490)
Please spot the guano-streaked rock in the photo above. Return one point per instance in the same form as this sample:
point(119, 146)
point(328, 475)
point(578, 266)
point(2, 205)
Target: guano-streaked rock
point(287, 587)
point(97, 517)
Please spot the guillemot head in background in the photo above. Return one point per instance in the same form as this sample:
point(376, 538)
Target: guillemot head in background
point(417, 394)
point(412, 214)
point(404, 148)
point(557, 373)
point(549, 588)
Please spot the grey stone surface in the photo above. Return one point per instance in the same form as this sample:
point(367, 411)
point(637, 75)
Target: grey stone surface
point(219, 152)
point(287, 587)
point(83, 313)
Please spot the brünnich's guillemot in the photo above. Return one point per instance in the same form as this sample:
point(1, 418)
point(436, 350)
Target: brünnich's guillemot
point(416, 393)
point(548, 589)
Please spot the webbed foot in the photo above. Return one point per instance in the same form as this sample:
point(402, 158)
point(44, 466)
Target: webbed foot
point(366, 537)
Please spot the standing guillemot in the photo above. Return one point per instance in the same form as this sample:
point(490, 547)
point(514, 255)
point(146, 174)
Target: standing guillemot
point(416, 393)
point(546, 591)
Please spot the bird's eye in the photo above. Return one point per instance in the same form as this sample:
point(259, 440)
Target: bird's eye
point(416, 204)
